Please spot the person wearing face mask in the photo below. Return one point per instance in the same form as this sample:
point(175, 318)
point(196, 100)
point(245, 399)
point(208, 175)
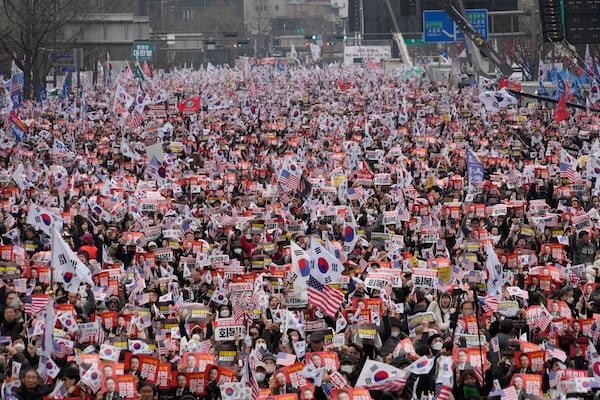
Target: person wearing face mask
point(224, 312)
point(269, 360)
point(436, 342)
point(390, 333)
point(348, 365)
point(260, 375)
point(21, 353)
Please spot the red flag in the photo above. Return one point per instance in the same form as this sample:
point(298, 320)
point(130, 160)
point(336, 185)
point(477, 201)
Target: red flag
point(502, 83)
point(344, 85)
point(147, 70)
point(568, 91)
point(561, 113)
point(189, 105)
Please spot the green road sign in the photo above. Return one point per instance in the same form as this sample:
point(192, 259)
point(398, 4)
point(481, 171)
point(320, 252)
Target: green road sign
point(143, 51)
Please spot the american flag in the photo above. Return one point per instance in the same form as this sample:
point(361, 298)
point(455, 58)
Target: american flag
point(543, 319)
point(458, 273)
point(223, 220)
point(118, 108)
point(142, 299)
point(35, 303)
point(205, 346)
point(445, 392)
point(326, 298)
point(410, 191)
point(555, 352)
point(490, 304)
point(356, 193)
point(135, 120)
point(248, 377)
point(285, 359)
point(62, 347)
point(509, 393)
point(554, 378)
point(20, 285)
point(566, 166)
point(495, 344)
point(395, 385)
point(288, 180)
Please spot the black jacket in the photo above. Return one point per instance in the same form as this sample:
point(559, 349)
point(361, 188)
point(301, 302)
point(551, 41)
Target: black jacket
point(37, 393)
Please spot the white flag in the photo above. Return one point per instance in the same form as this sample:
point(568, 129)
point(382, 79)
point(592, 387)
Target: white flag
point(494, 269)
point(377, 372)
point(109, 353)
point(124, 97)
point(139, 347)
point(128, 151)
point(421, 366)
point(66, 318)
point(300, 271)
point(324, 266)
point(67, 265)
point(42, 219)
point(93, 378)
point(495, 101)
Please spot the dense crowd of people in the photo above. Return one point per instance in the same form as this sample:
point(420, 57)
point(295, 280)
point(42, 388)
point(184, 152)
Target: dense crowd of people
point(313, 233)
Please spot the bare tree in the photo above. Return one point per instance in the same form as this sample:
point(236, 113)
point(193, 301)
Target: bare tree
point(258, 23)
point(30, 30)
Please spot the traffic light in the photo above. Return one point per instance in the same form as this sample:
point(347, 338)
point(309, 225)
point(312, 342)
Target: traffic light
point(327, 44)
point(314, 37)
point(242, 43)
point(552, 21)
point(411, 8)
point(354, 16)
point(332, 42)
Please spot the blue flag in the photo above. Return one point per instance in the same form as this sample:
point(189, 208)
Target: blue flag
point(16, 96)
point(280, 66)
point(542, 89)
point(560, 87)
point(66, 86)
point(475, 170)
point(41, 93)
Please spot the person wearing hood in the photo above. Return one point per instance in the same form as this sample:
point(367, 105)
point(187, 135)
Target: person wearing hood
point(390, 333)
point(87, 245)
point(442, 310)
point(467, 387)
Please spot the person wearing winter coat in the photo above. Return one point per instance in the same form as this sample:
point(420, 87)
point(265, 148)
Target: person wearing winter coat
point(442, 310)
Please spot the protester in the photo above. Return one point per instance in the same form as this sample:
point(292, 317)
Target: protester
point(315, 233)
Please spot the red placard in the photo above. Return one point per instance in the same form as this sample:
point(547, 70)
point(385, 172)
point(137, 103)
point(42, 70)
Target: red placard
point(216, 373)
point(163, 376)
point(109, 319)
point(536, 359)
point(350, 394)
point(327, 359)
point(126, 386)
point(530, 382)
point(292, 373)
point(148, 368)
